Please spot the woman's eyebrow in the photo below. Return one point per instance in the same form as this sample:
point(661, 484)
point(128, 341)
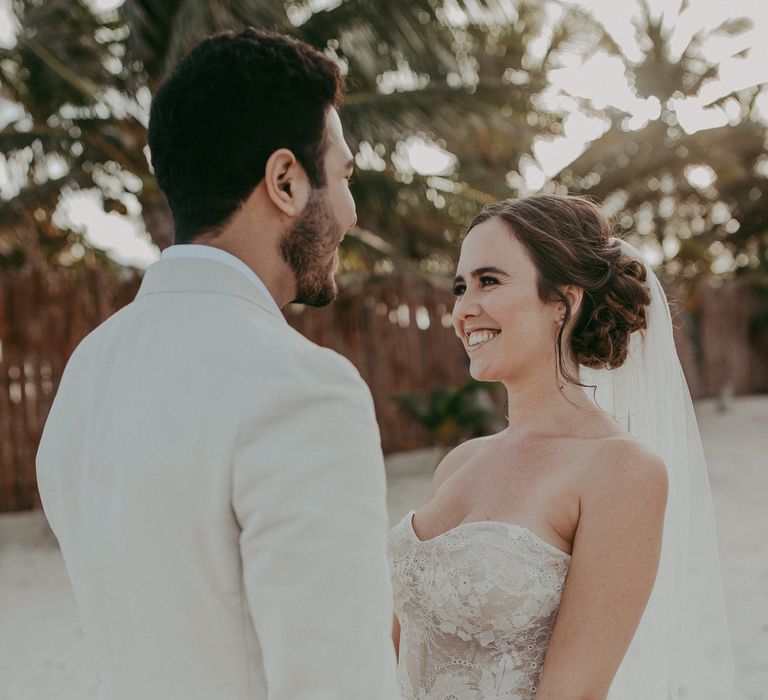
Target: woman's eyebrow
point(478, 272)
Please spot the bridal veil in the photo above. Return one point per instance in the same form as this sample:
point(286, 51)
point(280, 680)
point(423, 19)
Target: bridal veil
point(682, 647)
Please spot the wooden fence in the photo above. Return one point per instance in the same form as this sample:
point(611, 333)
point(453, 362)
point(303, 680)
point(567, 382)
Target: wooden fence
point(43, 316)
point(396, 331)
point(722, 339)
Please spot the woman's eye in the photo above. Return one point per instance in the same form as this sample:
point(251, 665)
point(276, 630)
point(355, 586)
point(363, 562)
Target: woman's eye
point(459, 289)
point(487, 280)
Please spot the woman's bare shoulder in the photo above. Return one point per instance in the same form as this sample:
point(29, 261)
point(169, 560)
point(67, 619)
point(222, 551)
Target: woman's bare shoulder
point(620, 465)
point(457, 458)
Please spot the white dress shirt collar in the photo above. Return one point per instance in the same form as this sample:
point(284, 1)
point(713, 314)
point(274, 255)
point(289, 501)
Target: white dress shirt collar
point(193, 250)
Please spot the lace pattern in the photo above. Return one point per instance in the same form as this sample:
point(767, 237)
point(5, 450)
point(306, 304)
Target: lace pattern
point(476, 607)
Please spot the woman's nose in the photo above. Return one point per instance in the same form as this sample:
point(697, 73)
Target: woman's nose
point(465, 307)
point(471, 301)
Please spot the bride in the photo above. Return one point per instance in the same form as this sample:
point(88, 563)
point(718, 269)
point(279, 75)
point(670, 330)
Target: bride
point(572, 555)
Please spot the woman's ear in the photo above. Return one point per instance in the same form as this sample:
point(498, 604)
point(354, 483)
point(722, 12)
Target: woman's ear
point(574, 295)
point(286, 182)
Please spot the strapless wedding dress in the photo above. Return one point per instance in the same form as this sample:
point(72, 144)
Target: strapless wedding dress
point(476, 607)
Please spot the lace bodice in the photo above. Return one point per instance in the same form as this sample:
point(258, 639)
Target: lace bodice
point(476, 607)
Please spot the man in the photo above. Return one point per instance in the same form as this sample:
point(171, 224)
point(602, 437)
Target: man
point(215, 480)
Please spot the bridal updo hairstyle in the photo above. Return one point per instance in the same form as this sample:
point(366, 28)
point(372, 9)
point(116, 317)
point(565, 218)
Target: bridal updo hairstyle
point(570, 242)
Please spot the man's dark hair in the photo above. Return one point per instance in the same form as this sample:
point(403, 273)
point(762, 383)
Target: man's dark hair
point(231, 103)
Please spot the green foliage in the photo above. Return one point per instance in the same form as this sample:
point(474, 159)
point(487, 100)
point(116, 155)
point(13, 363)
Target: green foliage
point(415, 68)
point(470, 77)
point(452, 415)
point(80, 125)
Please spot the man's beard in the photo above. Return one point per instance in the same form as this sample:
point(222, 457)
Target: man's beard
point(308, 248)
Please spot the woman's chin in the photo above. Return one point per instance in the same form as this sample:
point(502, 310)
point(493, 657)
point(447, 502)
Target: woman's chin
point(481, 373)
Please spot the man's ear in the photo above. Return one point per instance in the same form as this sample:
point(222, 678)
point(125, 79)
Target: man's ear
point(286, 182)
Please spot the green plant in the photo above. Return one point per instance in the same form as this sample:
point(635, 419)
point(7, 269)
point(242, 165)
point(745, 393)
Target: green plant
point(451, 415)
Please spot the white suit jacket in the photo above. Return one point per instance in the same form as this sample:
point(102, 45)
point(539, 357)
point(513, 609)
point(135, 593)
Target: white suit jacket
point(217, 487)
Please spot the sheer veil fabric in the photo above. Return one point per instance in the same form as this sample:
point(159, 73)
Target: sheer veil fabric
point(682, 646)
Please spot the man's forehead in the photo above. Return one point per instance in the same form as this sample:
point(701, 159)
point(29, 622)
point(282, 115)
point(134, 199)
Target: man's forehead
point(336, 135)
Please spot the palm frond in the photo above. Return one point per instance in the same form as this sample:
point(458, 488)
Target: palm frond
point(161, 34)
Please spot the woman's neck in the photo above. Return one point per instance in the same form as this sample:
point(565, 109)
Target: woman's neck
point(541, 405)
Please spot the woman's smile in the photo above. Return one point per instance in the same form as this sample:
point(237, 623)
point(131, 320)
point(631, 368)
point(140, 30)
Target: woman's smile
point(477, 339)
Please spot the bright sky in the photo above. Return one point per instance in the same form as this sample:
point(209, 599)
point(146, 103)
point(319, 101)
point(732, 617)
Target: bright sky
point(599, 78)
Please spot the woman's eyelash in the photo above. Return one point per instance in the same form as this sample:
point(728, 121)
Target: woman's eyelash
point(485, 280)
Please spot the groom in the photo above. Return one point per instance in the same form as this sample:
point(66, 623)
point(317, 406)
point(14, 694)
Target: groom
point(214, 479)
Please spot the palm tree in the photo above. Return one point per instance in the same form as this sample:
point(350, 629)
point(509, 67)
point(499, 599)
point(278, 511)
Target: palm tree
point(697, 199)
point(461, 76)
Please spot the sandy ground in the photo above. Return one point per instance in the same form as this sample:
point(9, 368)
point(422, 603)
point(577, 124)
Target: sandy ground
point(43, 655)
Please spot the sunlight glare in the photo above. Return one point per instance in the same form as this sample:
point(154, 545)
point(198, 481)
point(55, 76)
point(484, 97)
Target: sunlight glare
point(9, 25)
point(693, 116)
point(123, 238)
point(369, 158)
point(428, 158)
point(99, 6)
point(532, 174)
point(700, 176)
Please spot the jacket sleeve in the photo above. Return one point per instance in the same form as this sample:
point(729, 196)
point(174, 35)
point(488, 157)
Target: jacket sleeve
point(309, 493)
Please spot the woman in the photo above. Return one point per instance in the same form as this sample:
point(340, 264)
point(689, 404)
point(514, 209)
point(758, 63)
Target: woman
point(528, 570)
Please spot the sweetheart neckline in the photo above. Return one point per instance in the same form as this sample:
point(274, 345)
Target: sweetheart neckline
point(514, 526)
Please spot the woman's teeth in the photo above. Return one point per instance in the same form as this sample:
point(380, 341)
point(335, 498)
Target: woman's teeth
point(478, 337)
